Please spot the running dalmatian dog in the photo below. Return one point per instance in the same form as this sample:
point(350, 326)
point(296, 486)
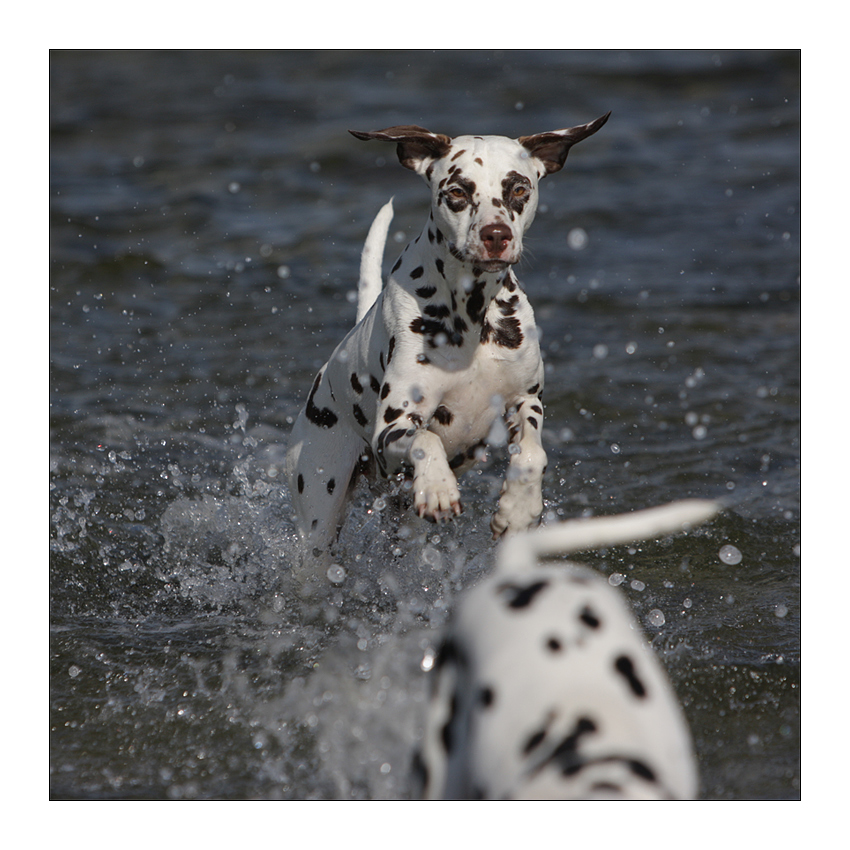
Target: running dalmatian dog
point(545, 687)
point(444, 349)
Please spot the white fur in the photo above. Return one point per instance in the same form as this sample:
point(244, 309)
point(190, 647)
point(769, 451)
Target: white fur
point(446, 347)
point(557, 696)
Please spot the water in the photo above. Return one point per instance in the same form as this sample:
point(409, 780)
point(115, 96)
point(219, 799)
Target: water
point(207, 213)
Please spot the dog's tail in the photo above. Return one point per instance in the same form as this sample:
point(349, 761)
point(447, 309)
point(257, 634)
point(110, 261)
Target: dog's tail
point(371, 281)
point(583, 534)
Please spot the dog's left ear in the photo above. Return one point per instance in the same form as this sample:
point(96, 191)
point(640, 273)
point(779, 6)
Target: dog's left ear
point(552, 148)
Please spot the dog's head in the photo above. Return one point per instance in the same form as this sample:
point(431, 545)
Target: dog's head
point(483, 188)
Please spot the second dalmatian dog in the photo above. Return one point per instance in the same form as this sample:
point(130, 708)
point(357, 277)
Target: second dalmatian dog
point(446, 347)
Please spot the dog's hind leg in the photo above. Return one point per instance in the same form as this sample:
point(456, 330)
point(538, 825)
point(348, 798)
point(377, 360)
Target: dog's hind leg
point(319, 468)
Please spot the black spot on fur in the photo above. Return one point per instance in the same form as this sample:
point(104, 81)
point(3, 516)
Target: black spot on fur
point(641, 769)
point(394, 435)
point(417, 273)
point(624, 666)
point(443, 415)
point(522, 596)
point(508, 308)
point(534, 390)
point(589, 618)
point(508, 333)
point(533, 422)
point(385, 391)
point(331, 485)
point(390, 349)
point(436, 332)
point(324, 417)
point(391, 414)
point(565, 755)
point(437, 311)
point(446, 732)
point(300, 483)
point(537, 409)
point(553, 644)
point(396, 266)
point(375, 384)
point(355, 383)
point(475, 304)
point(440, 267)
point(426, 291)
point(486, 696)
point(534, 741)
point(360, 416)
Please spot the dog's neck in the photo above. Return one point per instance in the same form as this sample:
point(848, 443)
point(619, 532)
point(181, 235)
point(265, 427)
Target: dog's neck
point(454, 279)
point(456, 298)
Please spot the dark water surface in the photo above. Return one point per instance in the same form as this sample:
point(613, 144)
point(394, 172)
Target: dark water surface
point(207, 215)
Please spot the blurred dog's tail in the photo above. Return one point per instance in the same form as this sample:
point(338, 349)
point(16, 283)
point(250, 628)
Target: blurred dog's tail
point(579, 535)
point(371, 281)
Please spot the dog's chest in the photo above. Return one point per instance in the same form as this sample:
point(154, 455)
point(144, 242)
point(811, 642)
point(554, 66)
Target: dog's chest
point(472, 398)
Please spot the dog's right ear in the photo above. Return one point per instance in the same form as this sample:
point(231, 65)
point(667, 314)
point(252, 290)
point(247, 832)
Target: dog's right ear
point(417, 147)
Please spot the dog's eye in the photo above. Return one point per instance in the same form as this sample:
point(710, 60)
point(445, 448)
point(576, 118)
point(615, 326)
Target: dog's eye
point(457, 192)
point(520, 191)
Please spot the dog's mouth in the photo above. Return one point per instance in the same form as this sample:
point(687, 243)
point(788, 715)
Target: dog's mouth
point(493, 265)
point(487, 264)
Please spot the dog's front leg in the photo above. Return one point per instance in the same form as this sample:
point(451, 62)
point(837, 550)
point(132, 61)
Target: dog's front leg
point(406, 442)
point(435, 492)
point(521, 501)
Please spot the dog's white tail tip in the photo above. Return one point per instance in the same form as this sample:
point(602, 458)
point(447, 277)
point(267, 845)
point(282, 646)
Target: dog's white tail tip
point(371, 280)
point(595, 532)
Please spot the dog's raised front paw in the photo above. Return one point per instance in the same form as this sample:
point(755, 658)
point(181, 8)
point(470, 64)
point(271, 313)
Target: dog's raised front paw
point(436, 501)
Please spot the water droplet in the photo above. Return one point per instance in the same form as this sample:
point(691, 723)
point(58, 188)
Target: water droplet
point(730, 554)
point(616, 579)
point(498, 435)
point(655, 618)
point(336, 574)
point(577, 239)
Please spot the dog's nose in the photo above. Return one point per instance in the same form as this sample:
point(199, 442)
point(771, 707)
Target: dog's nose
point(495, 238)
